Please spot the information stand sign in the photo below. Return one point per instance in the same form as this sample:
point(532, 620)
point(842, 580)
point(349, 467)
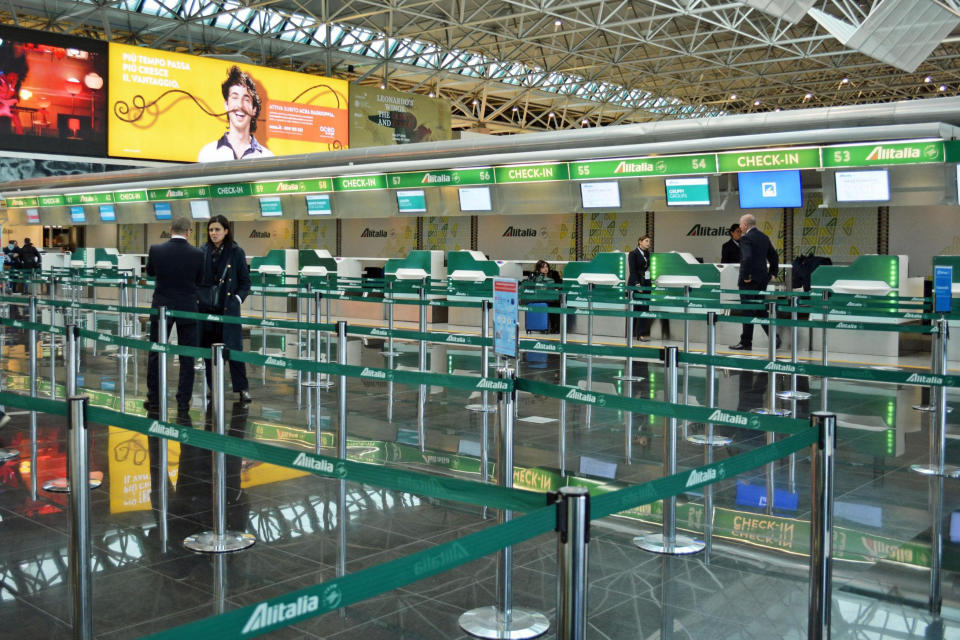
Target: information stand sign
point(505, 316)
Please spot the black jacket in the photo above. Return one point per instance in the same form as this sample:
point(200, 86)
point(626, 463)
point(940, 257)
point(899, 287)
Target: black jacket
point(639, 263)
point(178, 268)
point(237, 278)
point(758, 258)
point(29, 257)
point(730, 252)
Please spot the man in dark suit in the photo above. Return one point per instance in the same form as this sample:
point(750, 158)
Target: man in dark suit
point(758, 263)
point(639, 262)
point(178, 267)
point(730, 251)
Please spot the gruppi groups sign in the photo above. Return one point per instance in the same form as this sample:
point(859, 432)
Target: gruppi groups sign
point(173, 106)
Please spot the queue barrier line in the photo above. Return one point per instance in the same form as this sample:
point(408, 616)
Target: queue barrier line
point(821, 371)
point(144, 345)
point(630, 497)
point(42, 405)
point(34, 326)
point(754, 421)
point(831, 324)
point(298, 606)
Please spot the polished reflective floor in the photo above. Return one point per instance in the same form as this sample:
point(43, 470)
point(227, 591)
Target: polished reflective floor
point(752, 583)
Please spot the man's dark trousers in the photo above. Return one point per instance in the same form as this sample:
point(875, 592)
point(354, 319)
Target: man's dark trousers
point(186, 337)
point(746, 334)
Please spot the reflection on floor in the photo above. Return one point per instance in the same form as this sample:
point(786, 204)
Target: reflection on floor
point(752, 585)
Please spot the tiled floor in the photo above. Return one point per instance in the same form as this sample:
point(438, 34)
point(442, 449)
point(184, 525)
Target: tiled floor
point(742, 590)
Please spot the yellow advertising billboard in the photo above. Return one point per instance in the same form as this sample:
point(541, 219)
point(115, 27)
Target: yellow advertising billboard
point(178, 107)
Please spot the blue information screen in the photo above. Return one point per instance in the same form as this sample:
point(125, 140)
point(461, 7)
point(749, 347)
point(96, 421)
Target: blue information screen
point(770, 189)
point(162, 210)
point(77, 214)
point(108, 213)
point(942, 289)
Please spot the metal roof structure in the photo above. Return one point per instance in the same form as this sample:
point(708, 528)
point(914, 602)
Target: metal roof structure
point(533, 65)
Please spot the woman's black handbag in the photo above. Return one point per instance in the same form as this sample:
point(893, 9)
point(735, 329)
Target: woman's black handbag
point(210, 297)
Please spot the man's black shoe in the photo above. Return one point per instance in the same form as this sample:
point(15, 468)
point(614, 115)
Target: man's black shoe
point(245, 397)
point(741, 347)
point(151, 405)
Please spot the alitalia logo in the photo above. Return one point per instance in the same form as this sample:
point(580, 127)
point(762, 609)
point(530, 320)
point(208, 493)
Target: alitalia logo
point(17, 324)
point(576, 394)
point(847, 325)
point(275, 362)
point(213, 318)
point(720, 416)
point(436, 178)
point(380, 332)
point(158, 347)
point(492, 385)
point(545, 346)
point(313, 464)
point(516, 232)
point(259, 234)
point(634, 167)
point(781, 367)
point(760, 321)
point(922, 379)
point(111, 308)
point(912, 315)
point(880, 152)
point(703, 230)
point(373, 373)
point(647, 314)
point(373, 233)
point(158, 429)
point(854, 304)
point(288, 186)
point(448, 558)
point(700, 477)
point(268, 323)
point(457, 339)
point(266, 615)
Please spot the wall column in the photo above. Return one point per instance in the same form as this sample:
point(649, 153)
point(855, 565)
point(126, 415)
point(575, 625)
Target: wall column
point(650, 223)
point(883, 230)
point(787, 227)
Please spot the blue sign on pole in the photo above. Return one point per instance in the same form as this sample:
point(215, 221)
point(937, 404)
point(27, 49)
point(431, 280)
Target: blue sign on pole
point(942, 289)
point(505, 316)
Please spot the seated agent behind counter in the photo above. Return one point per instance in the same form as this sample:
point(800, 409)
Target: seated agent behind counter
point(543, 274)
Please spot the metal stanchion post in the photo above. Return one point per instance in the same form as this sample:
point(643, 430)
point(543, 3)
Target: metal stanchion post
point(219, 540)
point(562, 439)
point(938, 422)
point(135, 326)
point(668, 542)
point(163, 493)
point(81, 550)
point(503, 620)
point(824, 352)
point(588, 407)
point(573, 525)
point(32, 333)
point(422, 394)
point(316, 376)
point(821, 524)
point(5, 454)
point(686, 350)
point(771, 408)
point(389, 353)
point(342, 409)
point(484, 406)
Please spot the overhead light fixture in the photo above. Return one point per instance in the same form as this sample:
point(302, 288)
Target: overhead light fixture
point(515, 108)
point(383, 86)
point(431, 94)
point(928, 79)
point(756, 103)
point(777, 109)
point(584, 121)
point(475, 102)
point(550, 115)
point(943, 87)
point(845, 80)
point(558, 22)
point(733, 96)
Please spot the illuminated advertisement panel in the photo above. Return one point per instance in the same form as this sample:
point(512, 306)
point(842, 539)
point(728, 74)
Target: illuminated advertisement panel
point(53, 96)
point(173, 106)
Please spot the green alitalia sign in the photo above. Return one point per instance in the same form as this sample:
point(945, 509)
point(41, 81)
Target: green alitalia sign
point(532, 173)
point(89, 198)
point(360, 183)
point(179, 193)
point(769, 160)
point(291, 186)
point(648, 166)
point(52, 201)
point(443, 178)
point(21, 202)
point(234, 190)
point(130, 196)
point(868, 155)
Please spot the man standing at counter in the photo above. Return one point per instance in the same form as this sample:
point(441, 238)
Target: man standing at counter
point(758, 262)
point(639, 262)
point(730, 251)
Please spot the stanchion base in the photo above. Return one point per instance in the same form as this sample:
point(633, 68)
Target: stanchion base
point(948, 471)
point(655, 543)
point(487, 622)
point(209, 542)
point(929, 408)
point(630, 378)
point(62, 485)
point(714, 441)
point(198, 365)
point(479, 408)
point(771, 412)
point(313, 385)
point(8, 454)
point(793, 395)
point(123, 356)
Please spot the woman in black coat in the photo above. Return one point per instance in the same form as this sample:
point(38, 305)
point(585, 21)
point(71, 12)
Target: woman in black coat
point(224, 260)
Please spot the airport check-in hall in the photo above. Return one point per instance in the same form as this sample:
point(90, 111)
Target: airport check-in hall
point(379, 334)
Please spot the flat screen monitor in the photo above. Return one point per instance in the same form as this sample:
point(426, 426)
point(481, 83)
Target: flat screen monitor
point(200, 209)
point(33, 216)
point(77, 214)
point(108, 213)
point(411, 201)
point(475, 199)
point(319, 205)
point(687, 192)
point(162, 210)
point(770, 189)
point(270, 207)
point(600, 195)
point(863, 186)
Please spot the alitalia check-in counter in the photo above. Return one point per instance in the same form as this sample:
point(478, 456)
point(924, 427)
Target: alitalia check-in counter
point(606, 274)
point(672, 274)
point(872, 275)
point(405, 277)
point(470, 279)
point(279, 268)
